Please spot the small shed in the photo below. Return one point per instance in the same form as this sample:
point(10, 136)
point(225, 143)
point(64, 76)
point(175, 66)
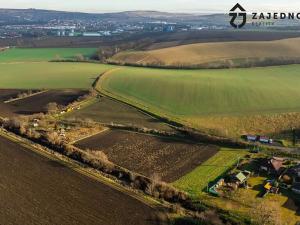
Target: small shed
point(240, 177)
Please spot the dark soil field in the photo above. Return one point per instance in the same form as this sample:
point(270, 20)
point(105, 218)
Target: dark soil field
point(108, 111)
point(35, 190)
point(38, 103)
point(5, 94)
point(149, 155)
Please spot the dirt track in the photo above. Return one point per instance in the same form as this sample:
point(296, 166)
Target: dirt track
point(150, 155)
point(107, 111)
point(35, 190)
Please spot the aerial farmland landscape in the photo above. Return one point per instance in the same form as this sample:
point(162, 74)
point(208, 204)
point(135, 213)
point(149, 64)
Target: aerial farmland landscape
point(120, 114)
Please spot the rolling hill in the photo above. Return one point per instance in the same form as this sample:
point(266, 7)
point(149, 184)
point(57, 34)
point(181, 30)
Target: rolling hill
point(217, 55)
point(257, 100)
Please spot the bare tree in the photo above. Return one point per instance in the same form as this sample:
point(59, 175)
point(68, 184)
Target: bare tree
point(52, 107)
point(79, 57)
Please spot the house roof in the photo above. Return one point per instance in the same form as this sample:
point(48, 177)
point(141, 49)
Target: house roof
point(241, 177)
point(268, 186)
point(278, 158)
point(277, 163)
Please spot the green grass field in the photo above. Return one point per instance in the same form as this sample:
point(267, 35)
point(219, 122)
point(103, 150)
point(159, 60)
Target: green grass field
point(204, 99)
point(32, 75)
point(43, 54)
point(196, 181)
point(192, 93)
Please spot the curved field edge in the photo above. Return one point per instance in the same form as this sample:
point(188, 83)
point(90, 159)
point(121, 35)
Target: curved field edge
point(284, 80)
point(157, 113)
point(50, 75)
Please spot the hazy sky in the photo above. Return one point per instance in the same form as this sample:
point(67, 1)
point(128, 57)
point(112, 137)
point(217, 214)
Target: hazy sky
point(160, 5)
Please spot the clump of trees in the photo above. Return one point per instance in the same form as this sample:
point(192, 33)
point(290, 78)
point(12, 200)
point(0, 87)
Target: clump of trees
point(24, 94)
point(79, 58)
point(52, 108)
point(106, 52)
point(21, 126)
point(97, 160)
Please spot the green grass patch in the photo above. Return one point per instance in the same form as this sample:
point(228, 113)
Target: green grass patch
point(32, 75)
point(196, 181)
point(191, 93)
point(43, 54)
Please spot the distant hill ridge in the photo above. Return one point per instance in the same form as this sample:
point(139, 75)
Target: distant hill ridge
point(41, 15)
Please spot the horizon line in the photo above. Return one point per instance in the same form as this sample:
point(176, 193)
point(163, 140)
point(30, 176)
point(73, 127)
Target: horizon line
point(208, 11)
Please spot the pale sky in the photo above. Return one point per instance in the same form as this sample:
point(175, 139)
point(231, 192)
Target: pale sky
point(192, 6)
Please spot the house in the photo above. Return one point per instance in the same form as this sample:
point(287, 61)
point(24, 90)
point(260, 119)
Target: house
point(251, 138)
point(265, 140)
point(241, 177)
point(213, 189)
point(35, 122)
point(273, 165)
point(270, 187)
point(261, 139)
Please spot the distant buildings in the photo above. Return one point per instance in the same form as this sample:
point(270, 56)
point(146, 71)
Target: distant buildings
point(91, 34)
point(258, 138)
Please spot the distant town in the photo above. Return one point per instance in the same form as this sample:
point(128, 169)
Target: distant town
point(91, 29)
point(28, 23)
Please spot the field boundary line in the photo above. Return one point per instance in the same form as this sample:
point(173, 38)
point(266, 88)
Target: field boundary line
point(17, 99)
point(90, 135)
point(81, 169)
point(141, 108)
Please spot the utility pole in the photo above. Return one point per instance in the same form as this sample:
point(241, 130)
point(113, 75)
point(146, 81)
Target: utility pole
point(207, 185)
point(238, 163)
point(294, 136)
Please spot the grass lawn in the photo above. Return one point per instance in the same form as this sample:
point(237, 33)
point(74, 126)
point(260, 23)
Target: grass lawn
point(188, 93)
point(43, 54)
point(31, 75)
point(245, 202)
point(196, 181)
point(229, 102)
